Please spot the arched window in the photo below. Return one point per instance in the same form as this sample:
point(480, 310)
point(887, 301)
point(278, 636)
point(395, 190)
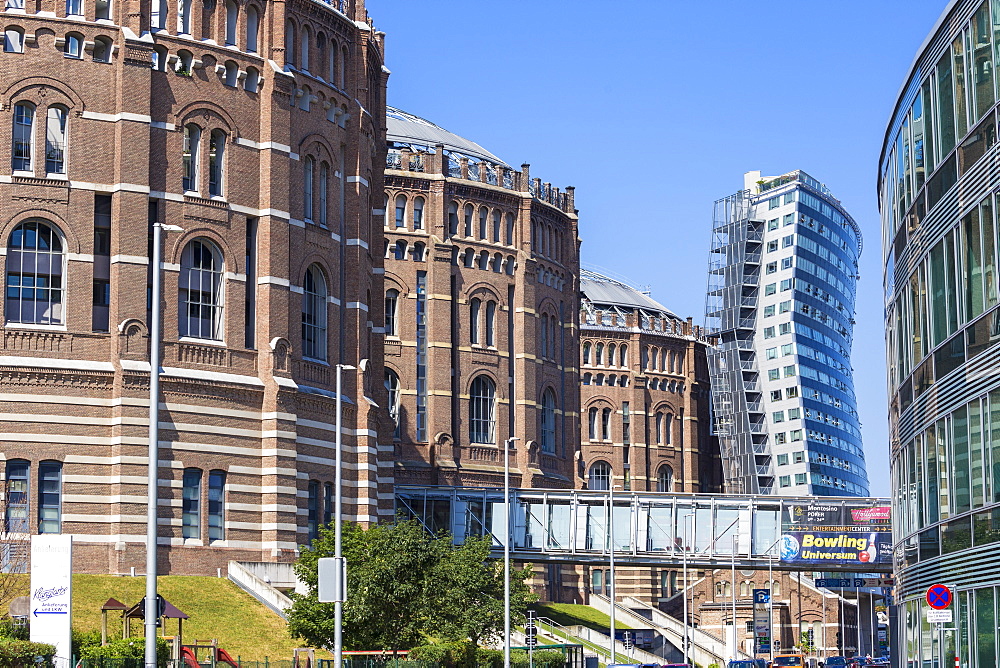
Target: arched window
point(606, 424)
point(543, 336)
point(289, 43)
point(586, 352)
point(314, 293)
point(484, 260)
point(599, 355)
point(659, 427)
point(308, 179)
point(587, 378)
point(599, 477)
point(55, 140)
point(184, 60)
point(491, 315)
point(102, 49)
point(510, 229)
point(665, 479)
point(418, 213)
point(453, 219)
point(419, 251)
point(232, 16)
point(623, 356)
point(399, 250)
point(592, 424)
point(23, 132)
point(331, 74)
point(484, 215)
point(35, 266)
point(775, 588)
point(744, 589)
point(252, 81)
point(201, 296)
point(474, 306)
point(253, 28)
point(482, 399)
point(324, 182)
point(720, 589)
point(548, 421)
point(668, 422)
point(304, 57)
point(192, 140)
point(663, 360)
point(392, 388)
point(497, 224)
point(612, 357)
point(468, 220)
point(231, 75)
point(342, 84)
point(216, 163)
point(469, 258)
point(13, 40)
point(511, 262)
point(599, 379)
point(400, 211)
point(391, 304)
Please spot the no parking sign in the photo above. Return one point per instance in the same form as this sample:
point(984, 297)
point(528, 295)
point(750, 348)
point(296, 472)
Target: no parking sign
point(938, 596)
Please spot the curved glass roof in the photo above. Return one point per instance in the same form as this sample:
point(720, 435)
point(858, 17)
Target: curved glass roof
point(419, 133)
point(604, 290)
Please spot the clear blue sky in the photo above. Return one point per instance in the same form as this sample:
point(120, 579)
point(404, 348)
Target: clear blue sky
point(653, 109)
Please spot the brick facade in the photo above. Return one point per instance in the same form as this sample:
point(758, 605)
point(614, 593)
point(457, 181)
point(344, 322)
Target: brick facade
point(212, 131)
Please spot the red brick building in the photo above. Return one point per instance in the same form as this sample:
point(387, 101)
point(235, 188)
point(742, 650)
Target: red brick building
point(258, 128)
point(481, 313)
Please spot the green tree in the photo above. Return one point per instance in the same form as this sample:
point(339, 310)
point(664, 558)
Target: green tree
point(468, 593)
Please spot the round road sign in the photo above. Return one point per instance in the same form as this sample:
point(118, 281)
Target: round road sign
point(938, 596)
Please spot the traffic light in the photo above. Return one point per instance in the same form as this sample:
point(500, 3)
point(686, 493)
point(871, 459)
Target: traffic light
point(838, 639)
point(809, 635)
point(530, 634)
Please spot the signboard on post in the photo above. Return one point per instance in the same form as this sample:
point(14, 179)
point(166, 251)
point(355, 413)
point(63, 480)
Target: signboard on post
point(51, 601)
point(762, 620)
point(331, 586)
point(939, 596)
point(836, 533)
point(939, 617)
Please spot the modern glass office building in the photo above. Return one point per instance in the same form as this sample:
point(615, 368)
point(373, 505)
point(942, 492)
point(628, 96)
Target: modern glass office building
point(782, 276)
point(938, 183)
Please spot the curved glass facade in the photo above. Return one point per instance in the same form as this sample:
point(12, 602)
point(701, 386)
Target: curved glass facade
point(781, 300)
point(938, 186)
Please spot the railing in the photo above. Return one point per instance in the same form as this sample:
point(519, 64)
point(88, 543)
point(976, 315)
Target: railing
point(259, 589)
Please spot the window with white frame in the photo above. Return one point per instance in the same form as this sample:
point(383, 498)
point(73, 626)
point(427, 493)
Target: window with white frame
point(74, 7)
point(49, 497)
point(482, 405)
point(253, 28)
point(391, 313)
point(35, 268)
point(216, 505)
point(392, 388)
point(73, 46)
point(665, 479)
point(16, 517)
point(13, 38)
point(192, 141)
point(22, 137)
point(201, 294)
point(232, 19)
point(191, 504)
point(491, 315)
point(418, 213)
point(400, 211)
point(55, 140)
point(216, 163)
point(599, 477)
point(475, 305)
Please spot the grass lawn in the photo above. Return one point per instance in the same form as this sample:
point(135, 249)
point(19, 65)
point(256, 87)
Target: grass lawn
point(217, 609)
point(571, 614)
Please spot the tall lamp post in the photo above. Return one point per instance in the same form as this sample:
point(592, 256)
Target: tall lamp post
point(338, 510)
point(151, 611)
point(508, 444)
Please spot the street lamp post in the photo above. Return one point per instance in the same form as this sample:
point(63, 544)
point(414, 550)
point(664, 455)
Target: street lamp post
point(338, 510)
point(508, 444)
point(151, 611)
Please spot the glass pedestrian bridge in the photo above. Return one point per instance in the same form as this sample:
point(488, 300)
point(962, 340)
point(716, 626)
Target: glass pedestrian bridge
point(829, 534)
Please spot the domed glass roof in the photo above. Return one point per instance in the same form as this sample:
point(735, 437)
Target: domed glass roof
point(405, 129)
point(603, 290)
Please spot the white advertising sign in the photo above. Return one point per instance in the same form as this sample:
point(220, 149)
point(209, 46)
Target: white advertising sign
point(51, 603)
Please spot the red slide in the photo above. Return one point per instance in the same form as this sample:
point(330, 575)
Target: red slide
point(222, 656)
point(189, 658)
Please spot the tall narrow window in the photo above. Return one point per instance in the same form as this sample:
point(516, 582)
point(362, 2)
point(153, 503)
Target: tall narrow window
point(543, 336)
point(250, 304)
point(510, 230)
point(548, 421)
point(16, 519)
point(586, 352)
point(418, 213)
point(484, 215)
point(401, 211)
point(482, 403)
point(304, 58)
point(100, 319)
point(468, 220)
point(391, 304)
point(668, 421)
point(191, 504)
point(313, 510)
point(606, 424)
point(253, 28)
point(102, 9)
point(35, 265)
point(232, 16)
point(216, 163)
point(497, 225)
point(309, 168)
point(24, 122)
point(184, 17)
point(55, 141)
point(192, 139)
point(314, 314)
point(328, 503)
point(324, 183)
point(49, 497)
point(392, 388)
point(665, 479)
point(599, 477)
point(474, 307)
point(592, 424)
point(216, 505)
point(158, 14)
point(659, 427)
point(289, 43)
point(201, 297)
point(491, 314)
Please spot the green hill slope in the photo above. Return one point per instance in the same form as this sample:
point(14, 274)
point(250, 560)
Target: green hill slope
point(217, 607)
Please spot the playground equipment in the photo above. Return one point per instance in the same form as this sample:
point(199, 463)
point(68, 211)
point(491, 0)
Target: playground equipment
point(203, 653)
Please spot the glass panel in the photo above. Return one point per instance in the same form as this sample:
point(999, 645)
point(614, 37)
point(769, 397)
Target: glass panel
point(958, 60)
point(982, 60)
point(559, 518)
point(973, 275)
point(946, 105)
point(986, 628)
point(660, 528)
point(191, 501)
point(976, 454)
point(943, 466)
point(931, 475)
point(986, 527)
point(960, 445)
point(916, 113)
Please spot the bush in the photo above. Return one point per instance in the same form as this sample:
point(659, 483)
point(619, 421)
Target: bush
point(83, 639)
point(125, 648)
point(446, 654)
point(16, 653)
point(8, 630)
